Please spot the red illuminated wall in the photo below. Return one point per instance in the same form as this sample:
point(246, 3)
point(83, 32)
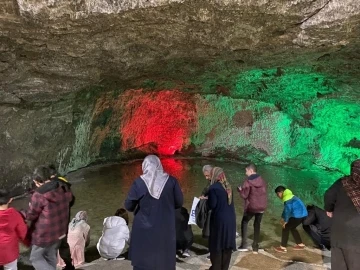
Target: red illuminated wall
point(158, 121)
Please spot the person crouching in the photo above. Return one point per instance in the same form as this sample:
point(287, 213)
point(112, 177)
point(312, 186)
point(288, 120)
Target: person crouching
point(115, 235)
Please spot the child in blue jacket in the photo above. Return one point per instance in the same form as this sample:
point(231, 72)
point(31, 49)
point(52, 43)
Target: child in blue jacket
point(292, 216)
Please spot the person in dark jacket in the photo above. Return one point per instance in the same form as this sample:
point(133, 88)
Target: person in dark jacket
point(49, 214)
point(342, 203)
point(222, 221)
point(153, 197)
point(318, 226)
point(254, 192)
point(293, 215)
point(64, 249)
point(184, 233)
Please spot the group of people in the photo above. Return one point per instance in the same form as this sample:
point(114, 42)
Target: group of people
point(160, 226)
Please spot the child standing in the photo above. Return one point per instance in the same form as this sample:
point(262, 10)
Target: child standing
point(114, 236)
point(293, 215)
point(78, 238)
point(184, 234)
point(12, 230)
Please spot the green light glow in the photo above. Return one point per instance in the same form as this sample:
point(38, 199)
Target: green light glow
point(287, 114)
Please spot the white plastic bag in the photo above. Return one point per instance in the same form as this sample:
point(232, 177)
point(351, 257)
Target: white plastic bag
point(192, 216)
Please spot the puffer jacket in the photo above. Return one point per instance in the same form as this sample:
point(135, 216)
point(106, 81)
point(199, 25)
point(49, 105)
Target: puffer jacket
point(114, 237)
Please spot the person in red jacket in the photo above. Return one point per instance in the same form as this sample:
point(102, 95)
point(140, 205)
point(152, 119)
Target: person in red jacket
point(12, 231)
point(253, 191)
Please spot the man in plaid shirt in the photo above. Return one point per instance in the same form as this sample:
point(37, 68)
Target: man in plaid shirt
point(49, 213)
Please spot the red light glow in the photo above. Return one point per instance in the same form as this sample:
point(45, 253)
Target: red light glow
point(163, 120)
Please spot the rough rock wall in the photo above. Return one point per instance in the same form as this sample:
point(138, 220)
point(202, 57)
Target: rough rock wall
point(99, 126)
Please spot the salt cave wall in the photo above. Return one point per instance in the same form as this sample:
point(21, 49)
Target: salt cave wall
point(291, 116)
point(294, 116)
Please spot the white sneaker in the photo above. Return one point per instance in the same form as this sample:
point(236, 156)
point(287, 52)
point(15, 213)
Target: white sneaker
point(241, 249)
point(186, 253)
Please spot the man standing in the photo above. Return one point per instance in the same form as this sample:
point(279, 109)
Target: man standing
point(49, 214)
point(342, 203)
point(253, 191)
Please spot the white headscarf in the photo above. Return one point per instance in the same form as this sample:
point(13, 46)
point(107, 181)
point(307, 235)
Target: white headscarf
point(80, 217)
point(154, 176)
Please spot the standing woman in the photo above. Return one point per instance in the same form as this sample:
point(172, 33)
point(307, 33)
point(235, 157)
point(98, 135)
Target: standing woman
point(153, 198)
point(222, 221)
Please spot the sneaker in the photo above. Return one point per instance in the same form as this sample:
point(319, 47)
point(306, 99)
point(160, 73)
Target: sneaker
point(121, 258)
point(237, 235)
point(186, 253)
point(255, 252)
point(280, 249)
point(242, 249)
point(297, 247)
point(208, 257)
point(177, 256)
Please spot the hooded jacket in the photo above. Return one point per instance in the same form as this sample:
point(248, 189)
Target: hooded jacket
point(12, 230)
point(114, 237)
point(49, 214)
point(293, 206)
point(254, 192)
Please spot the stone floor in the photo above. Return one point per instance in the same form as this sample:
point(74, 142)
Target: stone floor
point(268, 259)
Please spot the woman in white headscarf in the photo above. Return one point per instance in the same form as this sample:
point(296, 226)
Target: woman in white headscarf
point(78, 239)
point(153, 197)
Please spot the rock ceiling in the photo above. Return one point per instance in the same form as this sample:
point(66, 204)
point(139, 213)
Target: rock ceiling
point(49, 48)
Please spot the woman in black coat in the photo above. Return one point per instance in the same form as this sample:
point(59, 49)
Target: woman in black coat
point(342, 203)
point(222, 221)
point(153, 197)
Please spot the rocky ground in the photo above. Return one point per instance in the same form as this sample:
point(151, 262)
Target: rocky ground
point(310, 259)
point(266, 259)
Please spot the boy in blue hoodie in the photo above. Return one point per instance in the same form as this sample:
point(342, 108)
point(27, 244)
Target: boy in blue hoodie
point(293, 215)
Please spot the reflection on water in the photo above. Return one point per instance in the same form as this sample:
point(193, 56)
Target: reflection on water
point(100, 190)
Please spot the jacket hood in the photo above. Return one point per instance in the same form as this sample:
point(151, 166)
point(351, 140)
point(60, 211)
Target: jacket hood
point(114, 221)
point(355, 171)
point(287, 195)
point(256, 181)
point(4, 214)
point(52, 191)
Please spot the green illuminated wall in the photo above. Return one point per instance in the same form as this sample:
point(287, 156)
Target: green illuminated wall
point(281, 115)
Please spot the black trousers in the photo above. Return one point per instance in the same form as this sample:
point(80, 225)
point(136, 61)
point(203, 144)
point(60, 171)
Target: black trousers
point(318, 238)
point(64, 252)
point(244, 224)
point(291, 226)
point(345, 259)
point(220, 260)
